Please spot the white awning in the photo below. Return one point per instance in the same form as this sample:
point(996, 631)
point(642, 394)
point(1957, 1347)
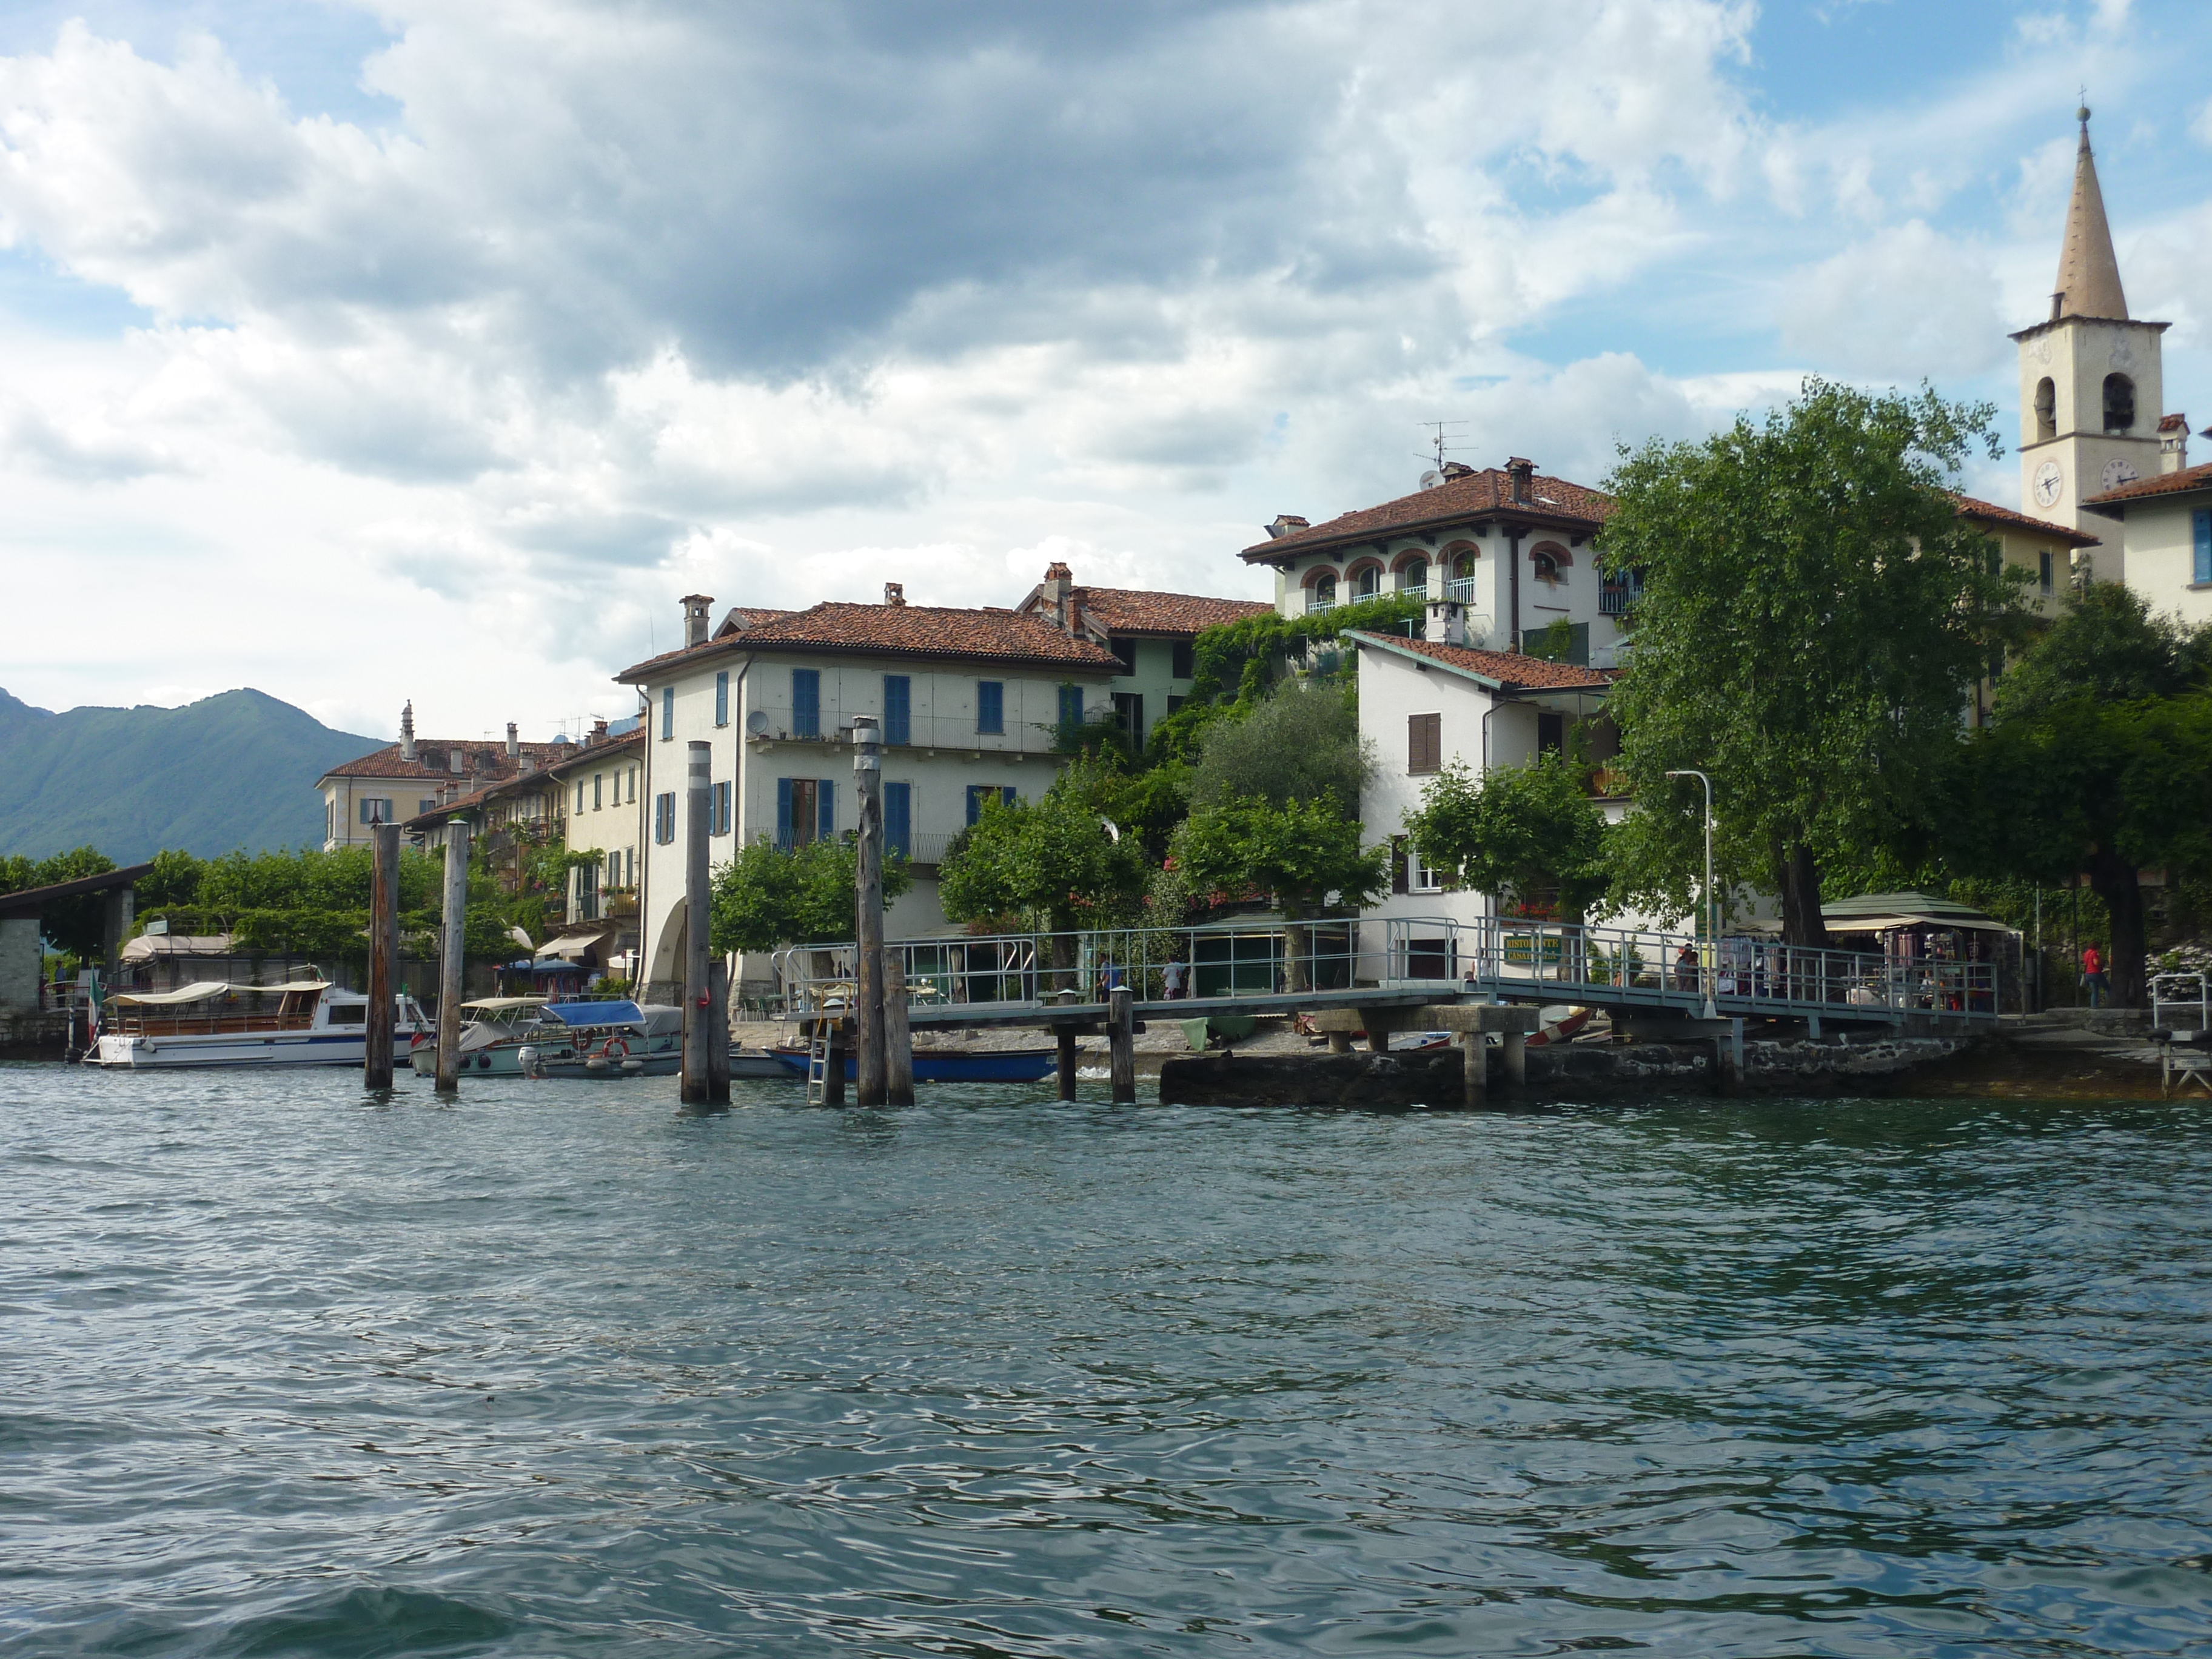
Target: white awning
point(571, 947)
point(1887, 924)
point(501, 1004)
point(201, 992)
point(149, 946)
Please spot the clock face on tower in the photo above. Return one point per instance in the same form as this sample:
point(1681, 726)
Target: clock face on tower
point(2049, 483)
point(2118, 472)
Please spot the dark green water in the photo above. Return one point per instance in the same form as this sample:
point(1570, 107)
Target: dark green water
point(287, 1372)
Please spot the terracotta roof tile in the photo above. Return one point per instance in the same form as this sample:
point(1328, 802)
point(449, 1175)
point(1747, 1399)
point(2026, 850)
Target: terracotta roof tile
point(482, 758)
point(1140, 610)
point(2163, 484)
point(1488, 492)
point(902, 630)
point(1972, 507)
point(740, 617)
point(1509, 669)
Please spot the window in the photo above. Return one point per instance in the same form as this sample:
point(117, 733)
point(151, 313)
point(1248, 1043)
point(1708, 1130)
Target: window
point(598, 780)
point(374, 811)
point(898, 818)
point(1424, 744)
point(1129, 716)
point(1175, 702)
point(722, 698)
point(1414, 578)
point(588, 892)
point(664, 819)
point(2046, 410)
point(356, 1015)
point(806, 810)
point(898, 708)
point(990, 705)
point(330, 820)
point(1420, 876)
point(2119, 403)
point(1551, 734)
point(2042, 571)
point(1322, 595)
point(668, 713)
point(1184, 659)
point(980, 793)
point(1546, 562)
point(1071, 707)
point(1368, 582)
point(1398, 857)
point(2201, 524)
point(718, 821)
point(633, 785)
point(1619, 592)
point(806, 703)
point(424, 805)
point(1125, 650)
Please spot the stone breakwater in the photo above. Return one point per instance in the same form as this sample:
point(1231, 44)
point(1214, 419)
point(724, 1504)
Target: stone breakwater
point(1409, 1078)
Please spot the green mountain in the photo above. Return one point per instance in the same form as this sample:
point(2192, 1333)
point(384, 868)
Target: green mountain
point(234, 770)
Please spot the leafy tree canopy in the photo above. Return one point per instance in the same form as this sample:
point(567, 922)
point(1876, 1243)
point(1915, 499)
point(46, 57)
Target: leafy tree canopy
point(2108, 646)
point(767, 896)
point(1301, 851)
point(1053, 861)
point(1814, 613)
point(1300, 743)
point(1528, 831)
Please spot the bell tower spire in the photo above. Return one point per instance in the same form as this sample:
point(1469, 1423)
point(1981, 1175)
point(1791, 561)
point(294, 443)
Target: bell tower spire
point(2088, 271)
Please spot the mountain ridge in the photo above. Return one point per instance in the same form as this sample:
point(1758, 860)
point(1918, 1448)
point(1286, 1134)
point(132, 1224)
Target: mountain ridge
point(235, 769)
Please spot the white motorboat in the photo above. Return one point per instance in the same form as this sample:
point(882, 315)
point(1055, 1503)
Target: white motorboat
point(494, 1030)
point(309, 1023)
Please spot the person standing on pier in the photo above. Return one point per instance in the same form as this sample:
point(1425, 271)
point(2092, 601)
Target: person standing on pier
point(1172, 979)
point(2092, 975)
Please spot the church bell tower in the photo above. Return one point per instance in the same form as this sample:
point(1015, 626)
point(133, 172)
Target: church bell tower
point(2090, 385)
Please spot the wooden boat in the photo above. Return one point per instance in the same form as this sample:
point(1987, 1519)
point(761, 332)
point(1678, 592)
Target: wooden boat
point(313, 1023)
point(952, 1066)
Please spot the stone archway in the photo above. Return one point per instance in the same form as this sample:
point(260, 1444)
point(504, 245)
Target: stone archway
point(663, 978)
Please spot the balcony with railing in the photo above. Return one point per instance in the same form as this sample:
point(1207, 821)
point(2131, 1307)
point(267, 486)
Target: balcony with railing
point(1460, 588)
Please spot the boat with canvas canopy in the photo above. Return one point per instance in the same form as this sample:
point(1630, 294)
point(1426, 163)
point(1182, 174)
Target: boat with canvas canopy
point(313, 1023)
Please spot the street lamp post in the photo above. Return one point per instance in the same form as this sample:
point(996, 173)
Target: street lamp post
point(1712, 920)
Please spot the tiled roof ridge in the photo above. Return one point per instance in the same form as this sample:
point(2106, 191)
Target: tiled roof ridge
point(1972, 507)
point(1488, 491)
point(1511, 669)
point(983, 632)
point(493, 749)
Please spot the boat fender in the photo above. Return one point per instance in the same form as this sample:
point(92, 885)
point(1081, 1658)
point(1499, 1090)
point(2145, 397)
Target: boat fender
point(595, 1064)
point(615, 1049)
point(633, 1065)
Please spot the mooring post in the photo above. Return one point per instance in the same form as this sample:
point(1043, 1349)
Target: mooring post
point(1121, 1044)
point(383, 953)
point(1475, 1052)
point(1517, 1058)
point(697, 1089)
point(718, 1033)
point(833, 1075)
point(868, 1065)
point(452, 936)
point(1378, 1023)
point(1065, 1038)
point(898, 1034)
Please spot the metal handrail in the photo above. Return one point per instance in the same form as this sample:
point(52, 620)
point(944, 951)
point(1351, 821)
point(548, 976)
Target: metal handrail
point(2196, 998)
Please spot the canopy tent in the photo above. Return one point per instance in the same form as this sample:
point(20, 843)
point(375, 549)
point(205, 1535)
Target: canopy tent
point(502, 1004)
point(207, 989)
point(572, 946)
point(149, 946)
point(596, 1013)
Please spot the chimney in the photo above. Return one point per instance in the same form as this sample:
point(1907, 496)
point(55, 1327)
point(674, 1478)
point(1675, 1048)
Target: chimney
point(1457, 470)
point(1445, 624)
point(695, 607)
point(524, 765)
point(1520, 472)
point(2173, 443)
point(407, 732)
point(1059, 588)
point(514, 741)
point(599, 732)
point(1286, 524)
point(894, 592)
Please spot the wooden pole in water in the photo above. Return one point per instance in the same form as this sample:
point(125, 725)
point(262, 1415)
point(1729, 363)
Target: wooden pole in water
point(1067, 1037)
point(697, 1090)
point(833, 1077)
point(1121, 1044)
point(868, 1066)
point(383, 953)
point(452, 936)
point(898, 1034)
point(718, 1033)
point(1475, 1054)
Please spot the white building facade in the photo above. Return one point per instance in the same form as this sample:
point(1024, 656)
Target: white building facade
point(969, 703)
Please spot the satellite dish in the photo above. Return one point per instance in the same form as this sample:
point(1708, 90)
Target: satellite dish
point(1431, 478)
point(757, 722)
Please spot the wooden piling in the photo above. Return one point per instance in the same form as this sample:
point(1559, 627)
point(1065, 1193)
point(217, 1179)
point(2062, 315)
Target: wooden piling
point(697, 1089)
point(1065, 1037)
point(451, 941)
point(898, 1036)
point(383, 954)
point(1475, 1052)
point(1121, 1044)
point(870, 1072)
point(832, 1074)
point(718, 1033)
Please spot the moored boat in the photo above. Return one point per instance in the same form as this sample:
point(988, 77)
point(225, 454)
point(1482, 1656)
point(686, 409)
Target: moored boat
point(311, 1023)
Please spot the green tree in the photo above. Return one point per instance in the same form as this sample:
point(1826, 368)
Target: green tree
point(1300, 744)
point(1814, 612)
point(2107, 645)
point(1305, 852)
point(1054, 862)
point(767, 896)
point(1528, 831)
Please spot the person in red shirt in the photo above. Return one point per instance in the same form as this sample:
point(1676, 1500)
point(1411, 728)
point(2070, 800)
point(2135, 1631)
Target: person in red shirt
point(2092, 975)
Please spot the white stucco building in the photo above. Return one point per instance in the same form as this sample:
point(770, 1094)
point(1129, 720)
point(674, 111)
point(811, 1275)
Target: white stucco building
point(969, 704)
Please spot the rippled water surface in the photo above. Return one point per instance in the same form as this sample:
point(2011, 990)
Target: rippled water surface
point(287, 1371)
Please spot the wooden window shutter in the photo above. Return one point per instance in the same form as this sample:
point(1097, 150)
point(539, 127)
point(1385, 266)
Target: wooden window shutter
point(1424, 747)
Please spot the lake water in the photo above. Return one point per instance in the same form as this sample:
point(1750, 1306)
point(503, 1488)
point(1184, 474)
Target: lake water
point(287, 1371)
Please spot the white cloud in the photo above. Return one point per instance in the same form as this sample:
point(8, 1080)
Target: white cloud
point(1905, 302)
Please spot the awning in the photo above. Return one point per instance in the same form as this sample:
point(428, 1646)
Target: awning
point(202, 992)
point(1888, 924)
point(554, 965)
point(596, 1013)
point(148, 947)
point(501, 1004)
point(572, 946)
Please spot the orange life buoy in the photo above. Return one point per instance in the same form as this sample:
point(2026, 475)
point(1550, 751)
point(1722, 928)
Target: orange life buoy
point(615, 1049)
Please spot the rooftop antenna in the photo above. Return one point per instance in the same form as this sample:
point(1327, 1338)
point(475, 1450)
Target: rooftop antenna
point(1435, 475)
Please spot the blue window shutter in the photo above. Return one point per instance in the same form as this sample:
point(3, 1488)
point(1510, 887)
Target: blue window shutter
point(806, 702)
point(2202, 523)
point(1071, 705)
point(826, 792)
point(722, 698)
point(976, 801)
point(990, 705)
point(783, 811)
point(1007, 794)
point(898, 816)
point(898, 708)
point(668, 713)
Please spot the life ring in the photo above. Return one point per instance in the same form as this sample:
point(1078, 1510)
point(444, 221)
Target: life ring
point(1562, 1030)
point(614, 1049)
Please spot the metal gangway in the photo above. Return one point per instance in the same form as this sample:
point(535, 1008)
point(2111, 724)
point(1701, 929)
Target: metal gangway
point(1268, 964)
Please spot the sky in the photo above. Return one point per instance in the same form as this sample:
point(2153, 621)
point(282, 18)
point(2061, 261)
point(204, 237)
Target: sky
point(363, 354)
